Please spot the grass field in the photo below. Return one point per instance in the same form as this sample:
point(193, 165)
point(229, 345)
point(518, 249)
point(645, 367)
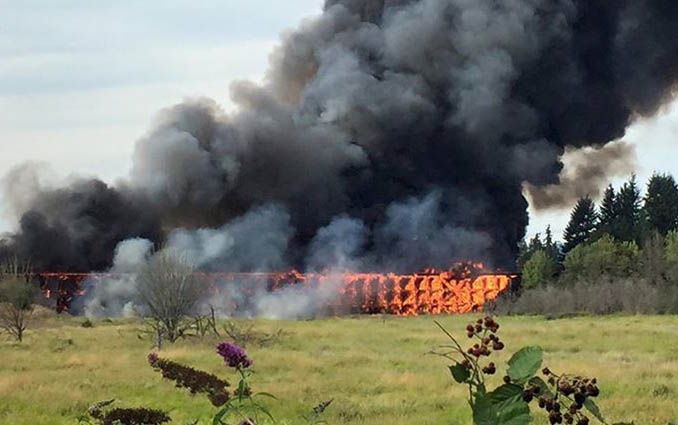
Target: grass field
point(376, 368)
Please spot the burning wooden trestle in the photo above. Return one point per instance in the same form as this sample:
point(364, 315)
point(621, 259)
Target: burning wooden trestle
point(459, 290)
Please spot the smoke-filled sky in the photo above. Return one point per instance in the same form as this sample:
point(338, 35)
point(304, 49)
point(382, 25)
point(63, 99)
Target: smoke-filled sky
point(82, 82)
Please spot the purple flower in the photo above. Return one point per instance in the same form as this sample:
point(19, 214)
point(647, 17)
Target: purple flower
point(233, 355)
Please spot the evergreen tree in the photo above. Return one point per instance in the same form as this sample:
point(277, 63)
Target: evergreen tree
point(607, 219)
point(629, 214)
point(583, 221)
point(527, 250)
point(550, 246)
point(661, 203)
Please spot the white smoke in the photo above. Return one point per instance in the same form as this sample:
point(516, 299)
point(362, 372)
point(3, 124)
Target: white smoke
point(414, 233)
point(115, 296)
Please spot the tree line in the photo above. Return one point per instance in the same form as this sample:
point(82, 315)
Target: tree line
point(627, 235)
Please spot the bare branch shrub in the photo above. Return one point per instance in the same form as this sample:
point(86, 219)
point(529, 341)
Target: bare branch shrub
point(607, 296)
point(17, 295)
point(244, 334)
point(169, 289)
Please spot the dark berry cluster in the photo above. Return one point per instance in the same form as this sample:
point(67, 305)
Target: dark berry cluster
point(529, 393)
point(484, 330)
point(196, 381)
point(565, 403)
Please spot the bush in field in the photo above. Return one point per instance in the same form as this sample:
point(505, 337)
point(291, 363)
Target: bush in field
point(16, 306)
point(566, 398)
point(169, 289)
point(539, 270)
point(604, 257)
point(603, 296)
point(651, 260)
point(17, 295)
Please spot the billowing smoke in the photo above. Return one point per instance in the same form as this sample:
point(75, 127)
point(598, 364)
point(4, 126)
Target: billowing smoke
point(388, 133)
point(587, 172)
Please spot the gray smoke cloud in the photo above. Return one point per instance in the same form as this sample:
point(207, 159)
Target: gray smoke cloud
point(587, 172)
point(388, 133)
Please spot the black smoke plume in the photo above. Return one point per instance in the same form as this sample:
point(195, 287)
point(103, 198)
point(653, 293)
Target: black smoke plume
point(415, 124)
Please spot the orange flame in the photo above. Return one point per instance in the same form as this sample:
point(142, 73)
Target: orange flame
point(465, 288)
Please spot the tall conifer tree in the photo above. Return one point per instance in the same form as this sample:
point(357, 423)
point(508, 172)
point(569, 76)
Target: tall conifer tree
point(583, 221)
point(661, 203)
point(607, 218)
point(629, 214)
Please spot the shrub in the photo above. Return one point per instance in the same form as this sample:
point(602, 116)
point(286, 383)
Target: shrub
point(538, 270)
point(671, 256)
point(16, 305)
point(169, 289)
point(567, 398)
point(651, 260)
point(603, 296)
point(604, 257)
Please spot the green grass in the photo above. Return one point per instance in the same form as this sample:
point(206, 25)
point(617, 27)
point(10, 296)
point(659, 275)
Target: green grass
point(376, 368)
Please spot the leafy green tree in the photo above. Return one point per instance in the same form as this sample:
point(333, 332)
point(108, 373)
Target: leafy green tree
point(652, 261)
point(629, 213)
point(583, 221)
point(671, 256)
point(539, 270)
point(661, 203)
point(605, 257)
point(607, 216)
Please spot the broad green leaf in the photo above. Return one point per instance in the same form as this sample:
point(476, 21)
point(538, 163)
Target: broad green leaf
point(515, 413)
point(592, 407)
point(484, 412)
point(506, 393)
point(525, 363)
point(460, 373)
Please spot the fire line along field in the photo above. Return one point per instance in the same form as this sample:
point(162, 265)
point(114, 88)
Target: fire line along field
point(339, 212)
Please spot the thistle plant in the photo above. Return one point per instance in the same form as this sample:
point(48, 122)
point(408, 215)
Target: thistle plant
point(566, 398)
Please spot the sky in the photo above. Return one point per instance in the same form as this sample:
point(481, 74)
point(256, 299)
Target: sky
point(82, 80)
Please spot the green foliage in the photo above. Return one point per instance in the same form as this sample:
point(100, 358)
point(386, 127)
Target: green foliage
point(604, 257)
point(651, 260)
point(629, 223)
point(524, 364)
point(671, 256)
point(607, 217)
point(538, 270)
point(566, 398)
point(583, 221)
point(505, 404)
point(661, 203)
point(18, 293)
